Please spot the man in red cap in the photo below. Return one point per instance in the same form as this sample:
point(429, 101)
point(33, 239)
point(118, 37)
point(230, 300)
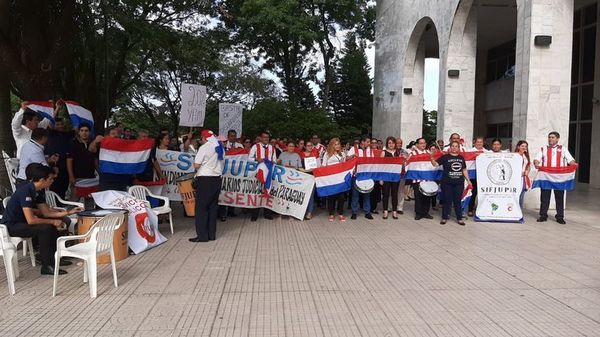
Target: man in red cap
point(209, 166)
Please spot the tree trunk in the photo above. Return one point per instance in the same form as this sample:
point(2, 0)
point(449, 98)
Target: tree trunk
point(6, 140)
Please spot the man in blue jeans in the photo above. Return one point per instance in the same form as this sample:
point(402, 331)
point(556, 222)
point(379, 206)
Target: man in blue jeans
point(363, 151)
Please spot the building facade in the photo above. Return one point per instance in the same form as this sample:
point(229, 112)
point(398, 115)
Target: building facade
point(513, 69)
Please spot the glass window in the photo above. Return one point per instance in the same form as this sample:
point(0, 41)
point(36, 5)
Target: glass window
point(575, 67)
point(504, 131)
point(589, 54)
point(585, 152)
point(572, 138)
point(590, 14)
point(573, 108)
point(492, 131)
point(587, 104)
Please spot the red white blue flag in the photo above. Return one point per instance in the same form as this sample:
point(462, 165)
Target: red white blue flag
point(264, 174)
point(334, 179)
point(555, 178)
point(418, 167)
point(122, 156)
point(385, 169)
point(44, 108)
point(79, 115)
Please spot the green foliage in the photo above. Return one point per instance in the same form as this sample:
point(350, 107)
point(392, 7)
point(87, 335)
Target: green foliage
point(430, 125)
point(351, 97)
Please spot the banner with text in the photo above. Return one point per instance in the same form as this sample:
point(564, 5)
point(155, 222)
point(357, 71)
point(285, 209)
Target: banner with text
point(173, 165)
point(499, 185)
point(230, 118)
point(193, 105)
point(289, 195)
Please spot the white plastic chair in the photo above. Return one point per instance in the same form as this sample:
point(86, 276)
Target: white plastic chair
point(141, 192)
point(15, 240)
point(9, 254)
point(97, 241)
point(54, 201)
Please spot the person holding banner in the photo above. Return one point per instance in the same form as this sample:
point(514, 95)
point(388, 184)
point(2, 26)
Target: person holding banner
point(335, 155)
point(232, 142)
point(479, 147)
point(422, 201)
point(390, 188)
point(23, 123)
point(260, 152)
point(209, 165)
point(310, 161)
point(453, 181)
point(522, 148)
point(553, 155)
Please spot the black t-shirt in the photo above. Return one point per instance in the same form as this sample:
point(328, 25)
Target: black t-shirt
point(453, 168)
point(84, 161)
point(24, 197)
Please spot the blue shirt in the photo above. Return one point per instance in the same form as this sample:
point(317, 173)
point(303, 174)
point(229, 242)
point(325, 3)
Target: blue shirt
point(24, 197)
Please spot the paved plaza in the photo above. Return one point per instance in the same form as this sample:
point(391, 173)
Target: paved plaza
point(314, 278)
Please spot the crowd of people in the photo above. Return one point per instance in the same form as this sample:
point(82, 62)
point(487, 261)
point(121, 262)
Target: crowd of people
point(52, 157)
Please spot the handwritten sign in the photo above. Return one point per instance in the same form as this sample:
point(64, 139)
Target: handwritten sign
point(193, 105)
point(230, 118)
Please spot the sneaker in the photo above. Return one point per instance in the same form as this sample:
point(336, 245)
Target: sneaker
point(331, 218)
point(353, 216)
point(342, 218)
point(369, 216)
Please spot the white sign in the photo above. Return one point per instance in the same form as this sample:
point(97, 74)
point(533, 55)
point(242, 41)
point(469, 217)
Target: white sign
point(499, 185)
point(173, 165)
point(310, 163)
point(290, 193)
point(230, 118)
point(12, 169)
point(193, 105)
point(142, 223)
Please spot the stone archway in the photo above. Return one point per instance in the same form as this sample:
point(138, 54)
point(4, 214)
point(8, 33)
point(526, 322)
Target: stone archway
point(423, 43)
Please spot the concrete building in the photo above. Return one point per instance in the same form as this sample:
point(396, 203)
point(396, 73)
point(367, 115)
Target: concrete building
point(514, 69)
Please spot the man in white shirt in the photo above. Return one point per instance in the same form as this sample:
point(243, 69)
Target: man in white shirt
point(209, 165)
point(553, 155)
point(24, 121)
point(363, 151)
point(232, 142)
point(32, 151)
point(422, 202)
point(260, 152)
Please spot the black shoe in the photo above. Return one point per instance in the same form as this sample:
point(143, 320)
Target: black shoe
point(223, 218)
point(400, 212)
point(561, 221)
point(542, 219)
point(369, 216)
point(49, 270)
point(353, 216)
point(374, 212)
point(254, 218)
point(428, 216)
point(197, 239)
point(418, 217)
point(268, 217)
point(212, 239)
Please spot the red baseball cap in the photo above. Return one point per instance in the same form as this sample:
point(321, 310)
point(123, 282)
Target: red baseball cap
point(206, 133)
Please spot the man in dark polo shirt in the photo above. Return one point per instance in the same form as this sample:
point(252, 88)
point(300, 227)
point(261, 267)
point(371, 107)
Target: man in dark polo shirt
point(81, 157)
point(27, 215)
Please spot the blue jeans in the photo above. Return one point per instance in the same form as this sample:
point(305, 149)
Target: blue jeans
point(311, 203)
point(355, 198)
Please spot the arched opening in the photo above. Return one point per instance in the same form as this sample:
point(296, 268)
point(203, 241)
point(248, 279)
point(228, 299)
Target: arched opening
point(423, 45)
point(480, 79)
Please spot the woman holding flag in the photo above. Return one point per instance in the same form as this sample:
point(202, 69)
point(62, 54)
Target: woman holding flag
point(335, 155)
point(522, 149)
point(453, 181)
point(390, 188)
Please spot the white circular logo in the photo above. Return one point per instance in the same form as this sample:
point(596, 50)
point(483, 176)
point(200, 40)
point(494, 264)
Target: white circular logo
point(499, 172)
point(456, 167)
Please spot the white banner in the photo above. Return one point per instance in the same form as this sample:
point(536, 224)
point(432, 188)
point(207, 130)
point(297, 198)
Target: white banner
point(499, 185)
point(173, 165)
point(289, 195)
point(12, 169)
point(230, 118)
point(193, 105)
point(142, 223)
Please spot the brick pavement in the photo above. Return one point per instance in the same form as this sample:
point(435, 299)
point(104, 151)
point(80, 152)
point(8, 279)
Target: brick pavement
point(314, 278)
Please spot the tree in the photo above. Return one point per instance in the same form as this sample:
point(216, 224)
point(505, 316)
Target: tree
point(429, 125)
point(351, 96)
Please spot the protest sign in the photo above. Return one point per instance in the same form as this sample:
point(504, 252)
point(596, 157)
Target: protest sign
point(193, 105)
point(173, 165)
point(230, 118)
point(12, 169)
point(289, 194)
point(499, 185)
point(142, 226)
